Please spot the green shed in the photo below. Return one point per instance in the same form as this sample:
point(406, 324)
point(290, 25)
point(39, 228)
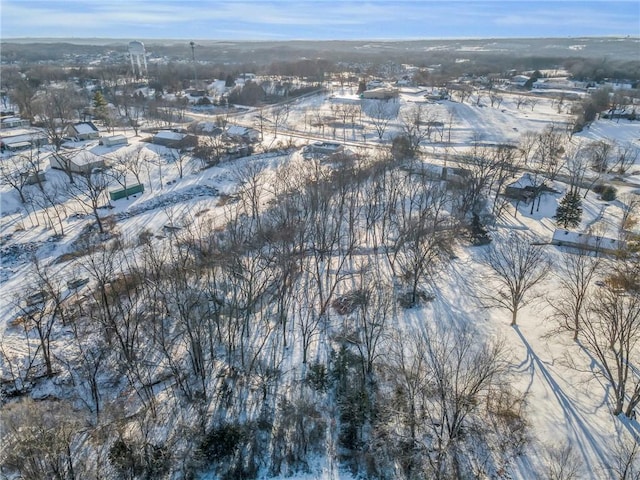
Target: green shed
point(125, 192)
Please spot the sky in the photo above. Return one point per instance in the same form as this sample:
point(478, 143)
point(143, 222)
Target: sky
point(317, 20)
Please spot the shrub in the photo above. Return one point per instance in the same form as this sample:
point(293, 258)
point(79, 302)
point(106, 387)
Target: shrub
point(223, 441)
point(609, 193)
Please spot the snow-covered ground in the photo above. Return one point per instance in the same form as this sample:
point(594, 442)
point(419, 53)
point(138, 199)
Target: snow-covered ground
point(565, 404)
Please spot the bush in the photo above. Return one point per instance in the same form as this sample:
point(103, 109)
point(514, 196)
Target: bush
point(223, 441)
point(609, 193)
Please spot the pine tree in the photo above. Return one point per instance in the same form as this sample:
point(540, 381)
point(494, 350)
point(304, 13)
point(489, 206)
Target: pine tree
point(569, 211)
point(100, 106)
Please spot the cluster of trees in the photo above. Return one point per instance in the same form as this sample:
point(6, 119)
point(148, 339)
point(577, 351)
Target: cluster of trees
point(275, 337)
point(217, 325)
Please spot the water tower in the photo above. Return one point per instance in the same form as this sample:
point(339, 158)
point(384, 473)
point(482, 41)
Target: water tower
point(138, 58)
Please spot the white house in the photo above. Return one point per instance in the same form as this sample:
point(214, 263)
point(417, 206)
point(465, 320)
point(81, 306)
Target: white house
point(171, 139)
point(321, 149)
point(586, 241)
point(14, 122)
point(82, 162)
point(85, 131)
point(380, 93)
point(245, 134)
point(22, 138)
point(525, 188)
point(519, 80)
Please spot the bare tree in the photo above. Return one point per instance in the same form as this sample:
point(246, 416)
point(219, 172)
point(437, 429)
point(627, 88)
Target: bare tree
point(549, 150)
point(563, 463)
point(625, 156)
point(278, 117)
point(57, 110)
point(527, 146)
point(380, 114)
point(496, 100)
point(51, 203)
point(611, 333)
point(373, 306)
point(516, 267)
point(600, 151)
point(42, 309)
point(576, 163)
point(624, 458)
point(415, 126)
point(575, 275)
point(23, 94)
point(90, 190)
point(39, 438)
point(630, 204)
point(180, 158)
point(19, 171)
point(442, 380)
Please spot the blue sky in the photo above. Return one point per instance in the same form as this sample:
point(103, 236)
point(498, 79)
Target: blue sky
point(319, 19)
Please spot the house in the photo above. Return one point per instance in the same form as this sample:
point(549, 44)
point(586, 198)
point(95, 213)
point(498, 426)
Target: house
point(380, 93)
point(84, 131)
point(13, 122)
point(82, 162)
point(171, 139)
point(586, 241)
point(519, 80)
point(114, 140)
point(524, 189)
point(16, 139)
point(437, 94)
point(321, 149)
point(242, 134)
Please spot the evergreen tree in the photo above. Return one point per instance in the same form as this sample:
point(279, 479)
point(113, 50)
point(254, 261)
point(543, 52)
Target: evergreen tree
point(569, 211)
point(100, 106)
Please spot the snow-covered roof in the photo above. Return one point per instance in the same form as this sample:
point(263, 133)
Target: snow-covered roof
point(525, 181)
point(115, 138)
point(239, 130)
point(85, 157)
point(15, 132)
point(170, 135)
point(82, 128)
point(586, 240)
point(11, 120)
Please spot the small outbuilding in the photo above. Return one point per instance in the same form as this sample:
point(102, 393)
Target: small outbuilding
point(380, 93)
point(322, 149)
point(16, 139)
point(171, 139)
point(84, 131)
point(523, 189)
point(83, 162)
point(242, 134)
point(114, 141)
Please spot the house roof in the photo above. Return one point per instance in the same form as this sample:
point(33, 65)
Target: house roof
point(592, 242)
point(85, 157)
point(238, 130)
point(525, 181)
point(115, 138)
point(169, 135)
point(82, 128)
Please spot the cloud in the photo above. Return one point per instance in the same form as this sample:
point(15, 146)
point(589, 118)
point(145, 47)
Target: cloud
point(314, 19)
